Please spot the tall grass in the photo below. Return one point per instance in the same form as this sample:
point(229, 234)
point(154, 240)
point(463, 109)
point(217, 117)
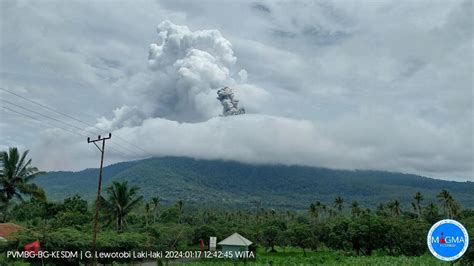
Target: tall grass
point(295, 256)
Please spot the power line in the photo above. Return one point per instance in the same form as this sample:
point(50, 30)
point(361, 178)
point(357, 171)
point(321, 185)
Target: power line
point(59, 121)
point(47, 116)
point(11, 110)
point(65, 129)
point(39, 104)
point(71, 117)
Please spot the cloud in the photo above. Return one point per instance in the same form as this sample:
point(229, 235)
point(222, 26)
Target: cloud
point(190, 67)
point(351, 143)
point(334, 84)
point(372, 136)
point(124, 116)
point(186, 68)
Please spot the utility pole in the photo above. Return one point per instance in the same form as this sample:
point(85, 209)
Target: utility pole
point(97, 202)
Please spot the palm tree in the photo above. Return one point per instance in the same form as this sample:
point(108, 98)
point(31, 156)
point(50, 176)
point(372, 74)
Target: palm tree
point(453, 208)
point(444, 197)
point(313, 211)
point(121, 200)
point(355, 209)
point(394, 206)
point(147, 212)
point(431, 212)
point(338, 203)
point(324, 209)
point(431, 209)
point(381, 210)
point(156, 203)
point(16, 173)
point(180, 205)
point(273, 212)
point(319, 207)
point(417, 205)
point(450, 207)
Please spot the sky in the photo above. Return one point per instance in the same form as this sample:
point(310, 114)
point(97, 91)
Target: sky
point(383, 85)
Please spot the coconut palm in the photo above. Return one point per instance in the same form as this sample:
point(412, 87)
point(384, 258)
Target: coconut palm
point(431, 209)
point(453, 208)
point(338, 203)
point(431, 212)
point(323, 209)
point(418, 199)
point(147, 212)
point(121, 200)
point(16, 174)
point(355, 208)
point(180, 205)
point(444, 197)
point(156, 203)
point(450, 207)
point(313, 211)
point(394, 207)
point(319, 207)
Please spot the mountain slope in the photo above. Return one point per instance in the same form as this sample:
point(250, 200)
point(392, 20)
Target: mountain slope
point(233, 184)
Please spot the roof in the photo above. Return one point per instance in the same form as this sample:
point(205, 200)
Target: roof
point(235, 240)
point(6, 229)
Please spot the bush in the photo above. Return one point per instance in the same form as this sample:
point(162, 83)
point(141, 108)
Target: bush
point(170, 236)
point(203, 232)
point(406, 236)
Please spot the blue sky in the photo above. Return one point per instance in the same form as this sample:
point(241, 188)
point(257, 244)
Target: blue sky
point(344, 84)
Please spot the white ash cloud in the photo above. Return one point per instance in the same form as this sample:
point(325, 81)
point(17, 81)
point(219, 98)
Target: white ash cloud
point(189, 66)
point(186, 69)
point(125, 116)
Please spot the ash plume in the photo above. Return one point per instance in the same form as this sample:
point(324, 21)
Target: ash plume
point(230, 106)
point(188, 66)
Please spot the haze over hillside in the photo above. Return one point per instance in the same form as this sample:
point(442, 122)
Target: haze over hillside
point(233, 184)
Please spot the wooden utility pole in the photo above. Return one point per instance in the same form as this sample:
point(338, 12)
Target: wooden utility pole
point(97, 201)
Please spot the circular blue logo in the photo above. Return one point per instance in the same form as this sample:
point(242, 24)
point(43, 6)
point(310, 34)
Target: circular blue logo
point(448, 240)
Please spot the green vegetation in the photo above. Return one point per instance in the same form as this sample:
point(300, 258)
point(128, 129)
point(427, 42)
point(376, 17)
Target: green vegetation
point(121, 201)
point(337, 231)
point(15, 177)
point(227, 184)
point(293, 256)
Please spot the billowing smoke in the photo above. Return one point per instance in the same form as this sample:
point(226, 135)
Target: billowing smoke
point(230, 106)
point(186, 68)
point(189, 66)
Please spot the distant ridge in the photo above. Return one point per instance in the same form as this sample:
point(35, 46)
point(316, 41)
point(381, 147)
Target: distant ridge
point(220, 183)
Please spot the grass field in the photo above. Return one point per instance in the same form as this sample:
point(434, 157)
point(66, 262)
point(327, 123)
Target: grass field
point(294, 256)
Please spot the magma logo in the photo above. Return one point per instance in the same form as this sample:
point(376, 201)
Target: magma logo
point(448, 240)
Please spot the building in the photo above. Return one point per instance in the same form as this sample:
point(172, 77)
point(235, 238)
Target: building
point(7, 229)
point(235, 244)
